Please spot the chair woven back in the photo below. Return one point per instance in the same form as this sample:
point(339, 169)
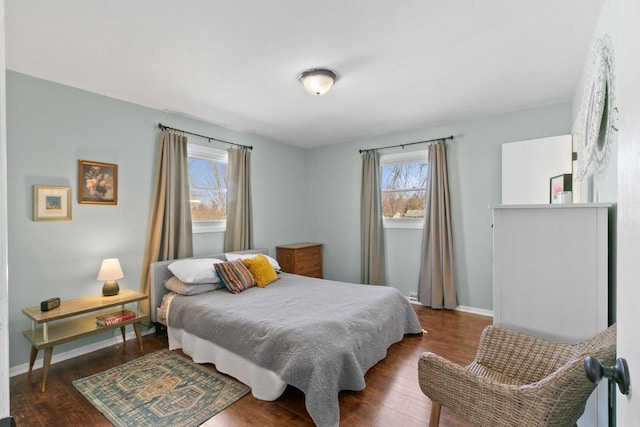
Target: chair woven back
point(572, 396)
point(517, 379)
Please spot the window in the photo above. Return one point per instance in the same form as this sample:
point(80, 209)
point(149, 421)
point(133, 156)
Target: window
point(403, 184)
point(208, 187)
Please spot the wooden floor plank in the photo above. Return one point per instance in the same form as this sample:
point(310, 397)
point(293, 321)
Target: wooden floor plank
point(392, 395)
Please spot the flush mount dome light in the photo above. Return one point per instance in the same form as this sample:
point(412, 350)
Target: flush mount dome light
point(318, 81)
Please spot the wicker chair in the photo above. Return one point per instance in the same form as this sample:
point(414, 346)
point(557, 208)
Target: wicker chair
point(515, 380)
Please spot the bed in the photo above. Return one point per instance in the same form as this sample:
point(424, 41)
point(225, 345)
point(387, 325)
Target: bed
point(318, 335)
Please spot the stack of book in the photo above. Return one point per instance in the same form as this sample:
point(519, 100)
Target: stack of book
point(115, 317)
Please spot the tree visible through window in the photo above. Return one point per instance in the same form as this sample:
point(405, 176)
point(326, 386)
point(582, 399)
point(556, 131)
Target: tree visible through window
point(403, 185)
point(208, 185)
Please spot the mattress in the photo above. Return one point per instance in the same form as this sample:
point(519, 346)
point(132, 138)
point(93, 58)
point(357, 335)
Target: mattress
point(318, 335)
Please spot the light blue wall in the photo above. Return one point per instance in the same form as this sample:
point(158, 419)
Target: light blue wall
point(50, 127)
point(298, 195)
point(474, 160)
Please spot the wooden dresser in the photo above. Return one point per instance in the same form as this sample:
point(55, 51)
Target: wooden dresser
point(301, 258)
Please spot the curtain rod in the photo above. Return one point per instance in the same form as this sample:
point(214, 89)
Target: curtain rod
point(408, 143)
point(208, 138)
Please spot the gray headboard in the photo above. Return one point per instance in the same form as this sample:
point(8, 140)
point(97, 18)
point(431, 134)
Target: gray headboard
point(160, 273)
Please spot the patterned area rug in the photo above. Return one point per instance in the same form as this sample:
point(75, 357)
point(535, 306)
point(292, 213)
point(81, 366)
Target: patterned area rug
point(160, 389)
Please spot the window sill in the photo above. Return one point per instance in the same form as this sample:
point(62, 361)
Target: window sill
point(413, 224)
point(208, 227)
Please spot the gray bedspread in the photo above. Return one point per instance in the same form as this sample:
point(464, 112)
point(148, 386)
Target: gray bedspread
point(317, 335)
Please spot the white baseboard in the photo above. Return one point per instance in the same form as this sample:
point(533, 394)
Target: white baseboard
point(116, 339)
point(466, 309)
point(473, 310)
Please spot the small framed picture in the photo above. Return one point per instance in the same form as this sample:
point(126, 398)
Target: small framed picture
point(559, 184)
point(51, 203)
point(97, 183)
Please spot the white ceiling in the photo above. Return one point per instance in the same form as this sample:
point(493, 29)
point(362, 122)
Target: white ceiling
point(403, 64)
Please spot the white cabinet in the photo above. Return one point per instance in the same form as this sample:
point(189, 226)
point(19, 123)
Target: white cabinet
point(550, 276)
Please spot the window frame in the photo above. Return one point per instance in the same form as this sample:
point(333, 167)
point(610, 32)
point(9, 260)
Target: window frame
point(217, 155)
point(392, 159)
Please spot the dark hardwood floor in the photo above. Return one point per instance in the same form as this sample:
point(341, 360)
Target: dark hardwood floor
point(392, 396)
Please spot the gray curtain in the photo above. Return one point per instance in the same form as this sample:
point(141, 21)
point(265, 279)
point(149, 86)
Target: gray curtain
point(436, 286)
point(372, 233)
point(169, 233)
point(239, 235)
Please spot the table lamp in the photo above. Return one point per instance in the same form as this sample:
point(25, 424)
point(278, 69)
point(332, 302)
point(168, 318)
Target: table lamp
point(110, 271)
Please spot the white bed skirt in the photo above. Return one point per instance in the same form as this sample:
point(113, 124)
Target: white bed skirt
point(265, 384)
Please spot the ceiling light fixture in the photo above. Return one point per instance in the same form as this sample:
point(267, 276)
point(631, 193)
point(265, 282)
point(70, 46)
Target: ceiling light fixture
point(318, 81)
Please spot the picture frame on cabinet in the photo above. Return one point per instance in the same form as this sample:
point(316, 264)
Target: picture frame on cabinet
point(97, 183)
point(557, 185)
point(51, 203)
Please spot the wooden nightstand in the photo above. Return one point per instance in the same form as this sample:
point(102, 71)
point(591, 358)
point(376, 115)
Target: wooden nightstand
point(76, 326)
point(301, 258)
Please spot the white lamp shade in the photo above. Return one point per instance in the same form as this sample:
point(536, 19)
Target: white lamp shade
point(318, 81)
point(110, 270)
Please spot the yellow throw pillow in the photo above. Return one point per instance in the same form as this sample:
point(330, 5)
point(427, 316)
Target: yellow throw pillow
point(261, 270)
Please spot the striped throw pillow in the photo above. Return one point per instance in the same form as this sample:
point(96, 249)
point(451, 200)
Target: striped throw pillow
point(235, 276)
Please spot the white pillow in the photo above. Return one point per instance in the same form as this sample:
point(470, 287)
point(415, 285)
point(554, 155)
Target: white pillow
point(174, 284)
point(272, 261)
point(195, 270)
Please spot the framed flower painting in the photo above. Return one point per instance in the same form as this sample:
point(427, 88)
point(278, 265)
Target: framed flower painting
point(97, 183)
